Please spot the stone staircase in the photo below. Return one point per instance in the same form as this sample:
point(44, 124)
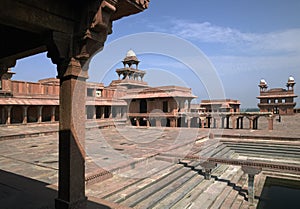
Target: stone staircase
point(266, 150)
point(179, 185)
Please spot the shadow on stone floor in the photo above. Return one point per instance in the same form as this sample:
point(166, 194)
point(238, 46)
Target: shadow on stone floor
point(18, 192)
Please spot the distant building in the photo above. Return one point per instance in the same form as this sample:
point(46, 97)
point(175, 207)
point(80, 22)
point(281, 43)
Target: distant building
point(129, 97)
point(151, 106)
point(277, 100)
point(220, 105)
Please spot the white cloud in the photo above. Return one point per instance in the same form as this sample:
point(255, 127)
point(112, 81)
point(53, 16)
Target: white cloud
point(230, 65)
point(287, 41)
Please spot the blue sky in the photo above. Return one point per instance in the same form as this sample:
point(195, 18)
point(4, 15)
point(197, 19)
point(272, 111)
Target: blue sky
point(244, 41)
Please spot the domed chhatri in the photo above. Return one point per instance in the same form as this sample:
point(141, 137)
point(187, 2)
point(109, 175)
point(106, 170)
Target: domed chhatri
point(291, 82)
point(263, 81)
point(131, 74)
point(131, 59)
point(263, 85)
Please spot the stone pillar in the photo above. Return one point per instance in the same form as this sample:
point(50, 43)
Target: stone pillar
point(172, 122)
point(207, 168)
point(40, 112)
point(137, 122)
point(251, 171)
point(202, 119)
point(148, 122)
point(110, 112)
point(8, 115)
point(222, 122)
point(102, 110)
point(233, 122)
point(71, 52)
point(94, 112)
point(188, 122)
point(25, 108)
point(189, 105)
point(71, 183)
point(250, 123)
point(53, 114)
point(270, 122)
point(157, 122)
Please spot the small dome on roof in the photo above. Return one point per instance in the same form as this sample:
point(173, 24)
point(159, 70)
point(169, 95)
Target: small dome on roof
point(291, 79)
point(263, 81)
point(130, 53)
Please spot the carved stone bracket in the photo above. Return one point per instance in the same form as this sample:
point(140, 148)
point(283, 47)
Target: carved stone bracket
point(87, 38)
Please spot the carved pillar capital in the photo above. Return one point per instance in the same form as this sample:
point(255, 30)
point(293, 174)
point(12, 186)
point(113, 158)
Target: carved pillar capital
point(87, 38)
point(251, 170)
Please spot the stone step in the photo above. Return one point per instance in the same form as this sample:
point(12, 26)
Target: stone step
point(141, 194)
point(259, 149)
point(233, 174)
point(207, 148)
point(221, 150)
point(191, 196)
point(108, 187)
point(179, 194)
point(153, 199)
point(265, 147)
point(279, 153)
point(189, 200)
point(129, 189)
point(234, 193)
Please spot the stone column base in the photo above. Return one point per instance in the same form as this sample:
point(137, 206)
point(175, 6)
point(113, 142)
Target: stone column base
point(62, 204)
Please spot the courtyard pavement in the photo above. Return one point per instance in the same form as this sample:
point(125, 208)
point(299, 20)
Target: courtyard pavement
point(29, 154)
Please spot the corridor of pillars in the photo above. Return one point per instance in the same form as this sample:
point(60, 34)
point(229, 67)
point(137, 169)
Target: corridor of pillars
point(223, 122)
point(24, 114)
point(105, 112)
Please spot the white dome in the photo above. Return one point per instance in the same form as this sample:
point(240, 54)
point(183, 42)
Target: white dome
point(291, 78)
point(130, 53)
point(263, 81)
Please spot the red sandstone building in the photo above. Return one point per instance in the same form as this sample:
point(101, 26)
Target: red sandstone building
point(277, 100)
point(24, 102)
point(128, 99)
point(221, 105)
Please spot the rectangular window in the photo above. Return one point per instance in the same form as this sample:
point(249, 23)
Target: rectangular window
point(89, 92)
